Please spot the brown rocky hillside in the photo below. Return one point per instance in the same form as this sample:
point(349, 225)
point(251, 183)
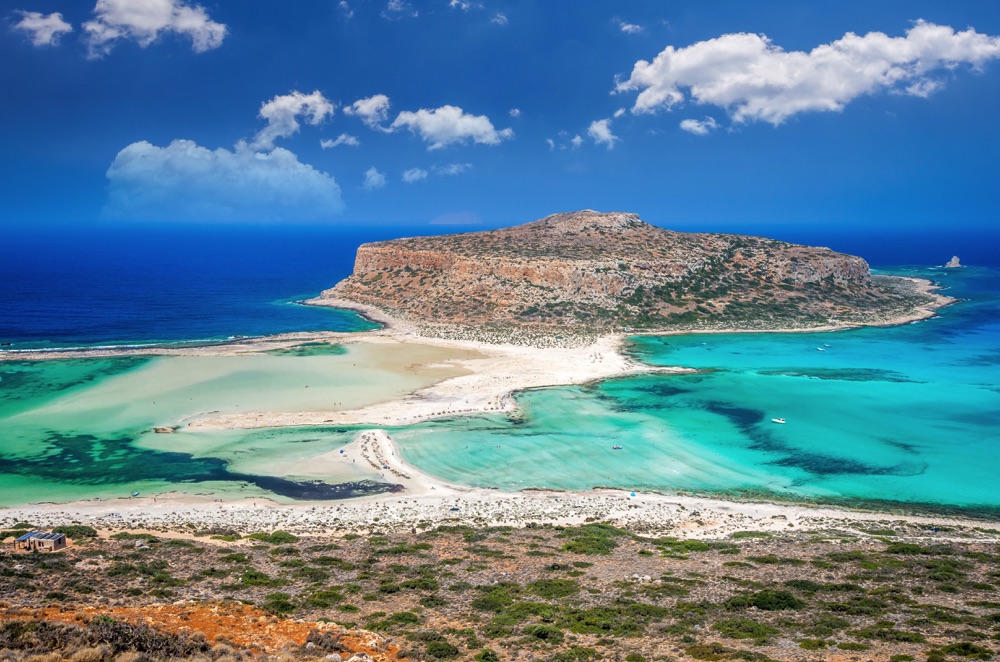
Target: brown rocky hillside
point(598, 271)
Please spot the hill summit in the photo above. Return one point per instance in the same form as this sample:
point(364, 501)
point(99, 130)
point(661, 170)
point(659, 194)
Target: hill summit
point(594, 271)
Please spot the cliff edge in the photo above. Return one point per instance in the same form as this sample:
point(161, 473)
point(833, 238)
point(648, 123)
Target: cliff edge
point(601, 272)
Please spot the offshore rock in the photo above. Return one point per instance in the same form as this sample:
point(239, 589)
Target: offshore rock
point(953, 263)
point(596, 271)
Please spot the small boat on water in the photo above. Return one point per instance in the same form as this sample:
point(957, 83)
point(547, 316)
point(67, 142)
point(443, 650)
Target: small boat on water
point(616, 448)
point(135, 493)
point(778, 420)
point(821, 349)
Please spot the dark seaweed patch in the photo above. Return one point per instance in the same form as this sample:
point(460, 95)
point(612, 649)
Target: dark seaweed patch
point(89, 460)
point(741, 416)
point(842, 374)
point(819, 464)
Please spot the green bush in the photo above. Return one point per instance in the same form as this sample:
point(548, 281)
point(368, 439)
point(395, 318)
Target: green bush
point(441, 650)
point(76, 531)
point(554, 588)
point(744, 628)
point(276, 538)
point(967, 649)
point(575, 654)
point(278, 603)
point(766, 600)
point(545, 633)
point(487, 655)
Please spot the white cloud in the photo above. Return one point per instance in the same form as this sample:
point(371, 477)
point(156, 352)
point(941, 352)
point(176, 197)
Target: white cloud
point(414, 175)
point(397, 9)
point(373, 111)
point(186, 182)
point(600, 132)
point(282, 114)
point(619, 113)
point(753, 79)
point(452, 169)
point(144, 20)
point(342, 139)
point(699, 127)
point(464, 5)
point(629, 28)
point(373, 179)
point(499, 19)
point(44, 29)
point(450, 124)
point(345, 9)
point(576, 141)
point(551, 143)
point(514, 112)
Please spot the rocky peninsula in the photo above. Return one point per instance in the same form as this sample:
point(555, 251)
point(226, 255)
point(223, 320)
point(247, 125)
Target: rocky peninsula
point(594, 272)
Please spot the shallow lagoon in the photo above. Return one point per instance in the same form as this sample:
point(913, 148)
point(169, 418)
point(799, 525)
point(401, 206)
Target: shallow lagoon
point(82, 428)
point(876, 417)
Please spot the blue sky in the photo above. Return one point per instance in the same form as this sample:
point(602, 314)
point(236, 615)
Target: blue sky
point(852, 115)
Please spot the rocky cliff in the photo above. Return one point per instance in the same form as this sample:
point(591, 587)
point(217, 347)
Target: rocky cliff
point(612, 271)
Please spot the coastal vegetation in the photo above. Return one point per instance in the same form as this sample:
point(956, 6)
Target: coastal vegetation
point(461, 592)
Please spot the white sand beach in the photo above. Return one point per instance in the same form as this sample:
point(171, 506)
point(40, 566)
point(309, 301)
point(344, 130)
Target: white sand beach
point(480, 377)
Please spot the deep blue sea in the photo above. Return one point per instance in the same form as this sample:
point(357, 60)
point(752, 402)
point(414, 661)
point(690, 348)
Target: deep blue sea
point(129, 284)
point(905, 416)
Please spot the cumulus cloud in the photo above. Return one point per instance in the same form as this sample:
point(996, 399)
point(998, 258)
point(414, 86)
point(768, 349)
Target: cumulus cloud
point(44, 29)
point(699, 127)
point(414, 175)
point(576, 141)
point(283, 112)
point(514, 112)
point(499, 19)
point(372, 111)
point(373, 179)
point(629, 28)
point(754, 79)
point(600, 132)
point(342, 139)
point(145, 20)
point(448, 125)
point(186, 182)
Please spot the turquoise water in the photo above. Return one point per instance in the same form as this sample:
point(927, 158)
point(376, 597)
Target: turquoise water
point(905, 416)
point(83, 428)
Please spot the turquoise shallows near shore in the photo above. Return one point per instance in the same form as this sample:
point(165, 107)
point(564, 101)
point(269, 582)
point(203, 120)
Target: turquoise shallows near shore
point(906, 416)
point(82, 428)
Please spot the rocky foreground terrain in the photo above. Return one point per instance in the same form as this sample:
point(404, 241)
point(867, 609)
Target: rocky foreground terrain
point(599, 272)
point(897, 592)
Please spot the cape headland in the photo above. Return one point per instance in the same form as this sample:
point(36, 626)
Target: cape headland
point(594, 272)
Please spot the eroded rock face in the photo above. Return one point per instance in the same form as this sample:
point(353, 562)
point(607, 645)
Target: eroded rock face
point(953, 263)
point(605, 271)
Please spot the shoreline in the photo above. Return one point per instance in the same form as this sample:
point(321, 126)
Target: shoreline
point(490, 387)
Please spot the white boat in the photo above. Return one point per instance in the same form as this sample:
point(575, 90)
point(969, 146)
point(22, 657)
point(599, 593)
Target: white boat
point(820, 349)
point(616, 448)
point(778, 420)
